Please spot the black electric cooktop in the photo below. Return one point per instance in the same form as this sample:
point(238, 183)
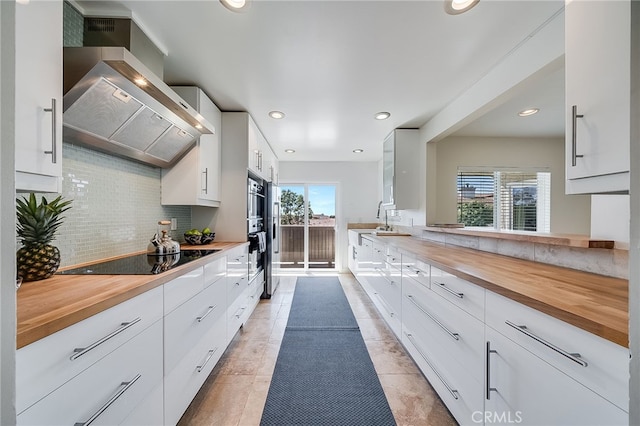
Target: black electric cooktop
point(139, 264)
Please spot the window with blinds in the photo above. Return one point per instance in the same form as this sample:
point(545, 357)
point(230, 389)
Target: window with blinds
point(505, 199)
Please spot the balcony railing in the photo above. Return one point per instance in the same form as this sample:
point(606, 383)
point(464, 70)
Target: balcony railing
point(322, 246)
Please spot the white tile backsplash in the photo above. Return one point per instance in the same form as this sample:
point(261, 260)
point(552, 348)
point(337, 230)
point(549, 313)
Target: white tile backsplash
point(115, 209)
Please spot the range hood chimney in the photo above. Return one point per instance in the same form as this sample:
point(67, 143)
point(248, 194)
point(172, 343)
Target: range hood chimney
point(115, 103)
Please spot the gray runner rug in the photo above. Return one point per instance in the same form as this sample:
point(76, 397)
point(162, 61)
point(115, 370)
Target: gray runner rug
point(323, 374)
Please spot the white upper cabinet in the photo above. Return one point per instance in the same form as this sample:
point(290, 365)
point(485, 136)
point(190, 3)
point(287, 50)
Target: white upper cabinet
point(261, 158)
point(38, 121)
point(195, 179)
point(597, 62)
point(401, 170)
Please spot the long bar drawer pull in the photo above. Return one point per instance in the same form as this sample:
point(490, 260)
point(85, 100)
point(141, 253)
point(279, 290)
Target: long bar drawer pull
point(211, 309)
point(238, 315)
point(488, 371)
point(124, 387)
point(54, 145)
point(206, 360)
point(454, 393)
point(447, 289)
point(78, 352)
point(455, 336)
point(575, 357)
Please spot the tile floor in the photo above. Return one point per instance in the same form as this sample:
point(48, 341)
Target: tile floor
point(236, 390)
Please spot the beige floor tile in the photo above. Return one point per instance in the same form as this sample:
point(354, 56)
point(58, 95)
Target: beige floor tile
point(252, 413)
point(257, 328)
point(221, 401)
point(277, 332)
point(269, 358)
point(389, 357)
point(244, 358)
point(375, 329)
point(413, 401)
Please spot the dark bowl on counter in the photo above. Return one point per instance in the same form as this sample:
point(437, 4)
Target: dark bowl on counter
point(199, 239)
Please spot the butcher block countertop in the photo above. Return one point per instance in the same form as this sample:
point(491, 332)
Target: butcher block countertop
point(47, 306)
point(595, 303)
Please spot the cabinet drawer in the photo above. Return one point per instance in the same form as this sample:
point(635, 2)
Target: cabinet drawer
point(379, 252)
point(462, 393)
point(183, 288)
point(124, 378)
point(185, 379)
point(215, 270)
point(416, 269)
point(602, 365)
point(463, 294)
point(47, 363)
point(187, 324)
point(393, 258)
point(532, 392)
point(459, 336)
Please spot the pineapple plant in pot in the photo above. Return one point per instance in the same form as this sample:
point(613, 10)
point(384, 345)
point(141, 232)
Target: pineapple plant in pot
point(37, 224)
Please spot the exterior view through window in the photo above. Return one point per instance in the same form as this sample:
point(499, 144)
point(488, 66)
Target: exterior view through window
point(505, 199)
point(308, 226)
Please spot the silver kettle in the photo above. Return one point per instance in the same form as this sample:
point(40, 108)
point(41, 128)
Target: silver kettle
point(161, 246)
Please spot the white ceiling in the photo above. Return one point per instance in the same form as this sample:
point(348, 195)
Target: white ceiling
point(331, 65)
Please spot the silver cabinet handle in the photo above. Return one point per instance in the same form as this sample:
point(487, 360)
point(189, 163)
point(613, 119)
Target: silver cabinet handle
point(574, 137)
point(238, 315)
point(575, 357)
point(205, 187)
point(415, 270)
point(488, 371)
point(454, 336)
point(54, 147)
point(199, 368)
point(124, 387)
point(454, 393)
point(211, 309)
point(78, 352)
point(444, 287)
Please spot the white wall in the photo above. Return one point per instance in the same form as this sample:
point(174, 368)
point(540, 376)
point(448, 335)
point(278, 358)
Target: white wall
point(7, 209)
point(357, 193)
point(569, 213)
point(610, 218)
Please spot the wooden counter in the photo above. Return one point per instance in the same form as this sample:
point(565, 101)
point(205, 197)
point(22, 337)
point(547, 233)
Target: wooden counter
point(569, 240)
point(47, 306)
point(595, 303)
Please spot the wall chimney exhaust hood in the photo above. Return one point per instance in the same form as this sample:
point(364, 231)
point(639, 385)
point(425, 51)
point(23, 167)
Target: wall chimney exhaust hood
point(115, 104)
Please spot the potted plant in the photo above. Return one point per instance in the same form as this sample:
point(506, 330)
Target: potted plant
point(37, 224)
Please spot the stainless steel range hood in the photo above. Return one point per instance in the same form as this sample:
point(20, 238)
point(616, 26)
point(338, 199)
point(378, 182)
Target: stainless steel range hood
point(115, 104)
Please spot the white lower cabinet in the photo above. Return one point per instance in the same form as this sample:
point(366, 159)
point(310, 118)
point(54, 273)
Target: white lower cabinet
point(447, 344)
point(194, 340)
point(109, 391)
point(490, 359)
point(48, 363)
point(142, 361)
point(521, 388)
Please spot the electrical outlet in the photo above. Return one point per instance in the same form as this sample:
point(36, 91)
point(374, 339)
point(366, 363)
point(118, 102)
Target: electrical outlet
point(174, 223)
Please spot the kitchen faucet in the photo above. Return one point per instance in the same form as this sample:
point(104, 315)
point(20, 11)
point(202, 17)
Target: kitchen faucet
point(386, 216)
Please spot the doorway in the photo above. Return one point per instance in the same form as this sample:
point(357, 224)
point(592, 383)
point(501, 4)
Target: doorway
point(308, 226)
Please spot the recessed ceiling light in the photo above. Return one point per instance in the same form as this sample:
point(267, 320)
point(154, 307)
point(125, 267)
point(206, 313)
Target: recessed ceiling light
point(276, 114)
point(382, 115)
point(456, 7)
point(358, 151)
point(527, 112)
point(235, 5)
point(289, 151)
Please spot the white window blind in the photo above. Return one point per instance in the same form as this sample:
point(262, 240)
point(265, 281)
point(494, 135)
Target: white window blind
point(505, 199)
